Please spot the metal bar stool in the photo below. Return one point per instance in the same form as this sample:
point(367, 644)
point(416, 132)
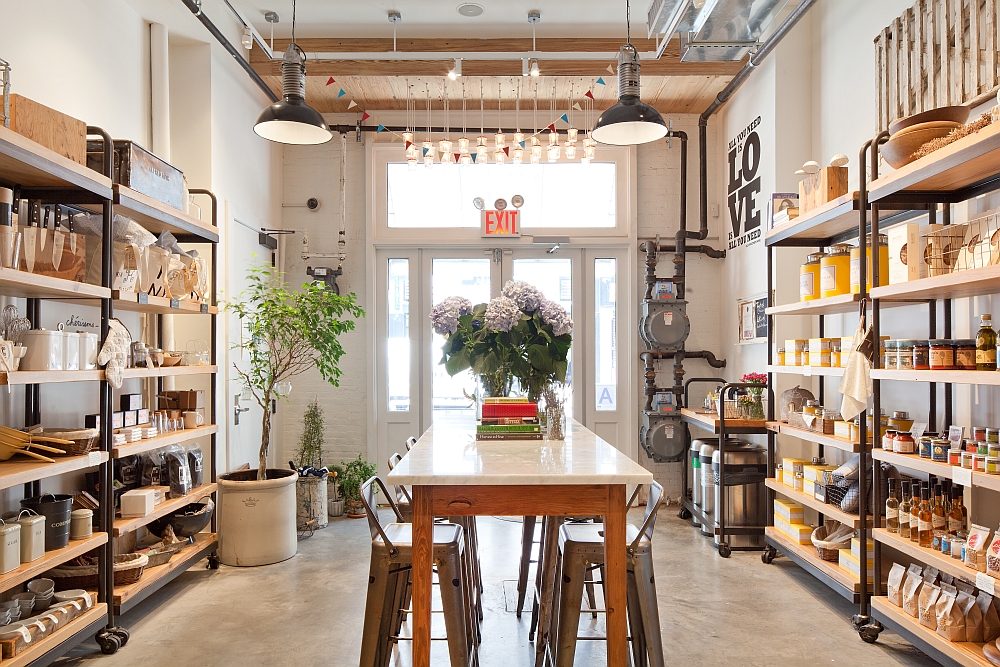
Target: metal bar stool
point(392, 560)
point(581, 547)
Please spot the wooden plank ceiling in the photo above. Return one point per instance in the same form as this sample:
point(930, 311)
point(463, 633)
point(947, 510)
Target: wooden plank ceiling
point(668, 84)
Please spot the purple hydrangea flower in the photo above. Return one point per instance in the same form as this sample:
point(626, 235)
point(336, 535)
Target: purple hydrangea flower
point(502, 314)
point(527, 297)
point(444, 316)
point(556, 316)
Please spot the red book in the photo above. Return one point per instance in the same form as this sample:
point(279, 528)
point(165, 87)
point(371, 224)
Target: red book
point(492, 410)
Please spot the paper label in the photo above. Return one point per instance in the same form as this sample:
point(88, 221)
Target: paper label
point(828, 278)
point(985, 582)
point(961, 476)
point(668, 317)
point(891, 513)
point(918, 429)
point(94, 458)
point(939, 522)
point(955, 525)
point(924, 525)
point(806, 286)
point(668, 431)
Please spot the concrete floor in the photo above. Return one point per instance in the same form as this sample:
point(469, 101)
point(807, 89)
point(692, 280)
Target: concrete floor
point(308, 611)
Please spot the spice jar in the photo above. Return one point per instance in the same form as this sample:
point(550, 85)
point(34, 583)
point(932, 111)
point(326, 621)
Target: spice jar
point(955, 457)
point(835, 354)
point(979, 462)
point(942, 355)
point(889, 360)
point(813, 408)
point(992, 449)
point(979, 433)
point(887, 440)
point(972, 445)
point(835, 271)
point(940, 448)
point(965, 355)
point(993, 465)
point(883, 264)
point(781, 356)
point(904, 354)
point(993, 435)
point(903, 443)
point(921, 355)
point(924, 446)
point(967, 460)
point(809, 277)
point(958, 544)
point(900, 421)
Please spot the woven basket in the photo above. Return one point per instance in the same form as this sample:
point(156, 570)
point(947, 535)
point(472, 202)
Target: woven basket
point(829, 551)
point(161, 555)
point(82, 572)
point(83, 439)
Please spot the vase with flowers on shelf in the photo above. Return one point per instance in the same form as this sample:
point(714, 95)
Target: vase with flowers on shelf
point(752, 403)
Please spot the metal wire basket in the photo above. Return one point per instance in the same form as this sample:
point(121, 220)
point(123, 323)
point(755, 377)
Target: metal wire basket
point(971, 245)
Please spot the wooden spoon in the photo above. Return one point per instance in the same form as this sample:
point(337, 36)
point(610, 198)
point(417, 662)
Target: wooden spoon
point(991, 652)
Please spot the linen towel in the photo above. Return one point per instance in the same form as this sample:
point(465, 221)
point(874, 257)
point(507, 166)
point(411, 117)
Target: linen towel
point(856, 385)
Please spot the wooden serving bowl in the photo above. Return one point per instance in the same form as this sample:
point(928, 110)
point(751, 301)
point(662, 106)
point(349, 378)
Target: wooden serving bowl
point(899, 150)
point(952, 114)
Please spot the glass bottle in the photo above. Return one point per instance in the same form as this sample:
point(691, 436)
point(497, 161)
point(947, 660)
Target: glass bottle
point(925, 523)
point(939, 520)
point(956, 519)
point(892, 509)
point(915, 513)
point(986, 345)
point(904, 511)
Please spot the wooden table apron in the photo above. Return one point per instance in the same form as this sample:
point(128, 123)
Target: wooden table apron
point(521, 500)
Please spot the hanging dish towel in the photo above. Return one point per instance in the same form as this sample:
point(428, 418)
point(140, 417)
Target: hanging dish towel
point(856, 385)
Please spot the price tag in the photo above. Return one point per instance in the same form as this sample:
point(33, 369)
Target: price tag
point(204, 307)
point(807, 371)
point(94, 458)
point(142, 298)
point(917, 430)
point(961, 476)
point(985, 582)
point(175, 304)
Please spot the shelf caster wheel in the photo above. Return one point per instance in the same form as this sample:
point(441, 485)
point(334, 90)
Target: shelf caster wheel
point(109, 642)
point(768, 555)
point(213, 562)
point(859, 621)
point(122, 634)
point(870, 633)
point(684, 514)
point(724, 550)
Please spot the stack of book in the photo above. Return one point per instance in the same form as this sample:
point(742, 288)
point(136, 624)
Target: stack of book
point(509, 419)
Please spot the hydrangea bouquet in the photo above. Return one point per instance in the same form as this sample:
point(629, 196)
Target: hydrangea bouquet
point(520, 335)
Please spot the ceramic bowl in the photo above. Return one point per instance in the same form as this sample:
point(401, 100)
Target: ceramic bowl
point(42, 587)
point(171, 359)
point(899, 150)
point(11, 631)
point(75, 594)
point(953, 114)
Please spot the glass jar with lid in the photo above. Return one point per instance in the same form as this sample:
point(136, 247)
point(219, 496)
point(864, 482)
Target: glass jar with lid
point(883, 264)
point(942, 355)
point(900, 421)
point(887, 440)
point(965, 354)
point(835, 271)
point(835, 353)
point(904, 354)
point(809, 280)
point(781, 356)
point(921, 355)
point(903, 443)
point(891, 360)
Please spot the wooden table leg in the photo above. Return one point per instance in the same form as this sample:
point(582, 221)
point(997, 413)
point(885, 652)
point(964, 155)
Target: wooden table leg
point(423, 547)
point(547, 564)
point(615, 571)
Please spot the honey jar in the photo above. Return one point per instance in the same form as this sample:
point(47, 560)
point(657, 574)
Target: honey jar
point(883, 264)
point(809, 280)
point(835, 271)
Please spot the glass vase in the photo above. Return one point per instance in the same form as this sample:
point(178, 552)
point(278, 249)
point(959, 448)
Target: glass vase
point(555, 422)
point(755, 408)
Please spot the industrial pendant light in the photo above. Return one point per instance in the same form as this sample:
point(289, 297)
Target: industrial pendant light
point(291, 120)
point(629, 121)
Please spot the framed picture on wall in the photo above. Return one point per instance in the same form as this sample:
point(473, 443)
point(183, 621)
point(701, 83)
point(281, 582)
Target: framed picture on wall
point(752, 320)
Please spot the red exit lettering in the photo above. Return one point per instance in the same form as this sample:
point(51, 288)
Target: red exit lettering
point(501, 223)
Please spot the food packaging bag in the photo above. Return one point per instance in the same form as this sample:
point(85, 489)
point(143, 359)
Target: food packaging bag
point(895, 585)
point(947, 615)
point(127, 257)
point(973, 617)
point(991, 620)
point(993, 556)
point(911, 590)
point(931, 575)
point(927, 605)
point(975, 547)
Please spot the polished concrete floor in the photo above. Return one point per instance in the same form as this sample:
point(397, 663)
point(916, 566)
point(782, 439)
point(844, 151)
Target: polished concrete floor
point(308, 611)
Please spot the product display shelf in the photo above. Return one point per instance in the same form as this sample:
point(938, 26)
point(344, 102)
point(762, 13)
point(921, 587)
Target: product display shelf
point(950, 377)
point(962, 654)
point(157, 217)
point(807, 371)
point(143, 303)
point(819, 438)
point(130, 373)
point(56, 645)
point(804, 499)
point(155, 578)
point(28, 164)
point(947, 564)
point(174, 438)
point(23, 470)
point(913, 462)
point(804, 555)
point(127, 525)
point(831, 305)
point(49, 560)
point(26, 285)
point(957, 285)
point(818, 225)
point(49, 377)
point(710, 422)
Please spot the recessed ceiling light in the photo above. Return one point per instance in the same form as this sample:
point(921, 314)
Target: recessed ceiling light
point(470, 9)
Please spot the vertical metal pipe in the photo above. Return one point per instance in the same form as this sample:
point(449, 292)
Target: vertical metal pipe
point(863, 616)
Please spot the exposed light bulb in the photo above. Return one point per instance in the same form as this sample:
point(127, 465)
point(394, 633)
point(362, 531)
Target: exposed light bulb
point(428, 151)
point(445, 145)
point(535, 158)
point(456, 70)
point(571, 135)
point(519, 138)
point(408, 137)
point(554, 152)
point(429, 159)
point(500, 139)
point(589, 143)
point(499, 157)
point(411, 162)
point(482, 154)
point(553, 139)
point(465, 158)
point(589, 152)
point(463, 145)
point(570, 151)
point(533, 70)
point(518, 156)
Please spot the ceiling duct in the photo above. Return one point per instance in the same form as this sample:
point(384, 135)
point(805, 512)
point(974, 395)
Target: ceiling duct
point(712, 30)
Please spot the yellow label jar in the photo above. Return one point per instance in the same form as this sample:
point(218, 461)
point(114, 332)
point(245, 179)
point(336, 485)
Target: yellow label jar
point(835, 271)
point(883, 264)
point(809, 281)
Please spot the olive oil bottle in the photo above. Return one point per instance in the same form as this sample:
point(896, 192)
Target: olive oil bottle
point(904, 511)
point(926, 522)
point(986, 345)
point(892, 508)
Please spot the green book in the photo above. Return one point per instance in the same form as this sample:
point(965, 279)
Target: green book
point(508, 428)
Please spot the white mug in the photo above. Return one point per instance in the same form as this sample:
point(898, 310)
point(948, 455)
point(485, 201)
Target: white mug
point(193, 420)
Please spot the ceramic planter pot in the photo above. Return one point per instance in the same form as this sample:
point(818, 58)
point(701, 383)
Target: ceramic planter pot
point(257, 517)
point(355, 509)
point(310, 503)
point(334, 508)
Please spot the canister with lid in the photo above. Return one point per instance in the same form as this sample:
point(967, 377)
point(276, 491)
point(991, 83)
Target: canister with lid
point(993, 435)
point(921, 355)
point(903, 443)
point(835, 271)
point(993, 465)
point(942, 355)
point(10, 546)
point(972, 445)
point(81, 524)
point(891, 361)
point(781, 356)
point(904, 354)
point(965, 354)
point(967, 459)
point(71, 349)
point(883, 264)
point(955, 457)
point(979, 433)
point(924, 446)
point(940, 448)
point(809, 281)
point(44, 350)
point(32, 535)
point(835, 354)
point(887, 440)
point(900, 421)
point(979, 462)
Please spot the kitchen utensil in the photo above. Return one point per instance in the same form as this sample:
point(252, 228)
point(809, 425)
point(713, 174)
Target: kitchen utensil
point(7, 317)
point(42, 233)
point(193, 419)
point(31, 238)
point(56, 508)
point(10, 546)
point(899, 150)
point(58, 239)
point(15, 333)
point(955, 114)
point(45, 350)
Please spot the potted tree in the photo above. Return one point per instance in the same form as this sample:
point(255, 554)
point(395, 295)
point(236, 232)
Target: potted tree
point(334, 501)
point(310, 489)
point(355, 474)
point(288, 333)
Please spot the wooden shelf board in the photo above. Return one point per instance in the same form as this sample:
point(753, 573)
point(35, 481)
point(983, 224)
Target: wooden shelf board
point(130, 373)
point(21, 470)
point(832, 218)
point(808, 553)
point(123, 526)
point(830, 511)
point(952, 566)
point(913, 462)
point(982, 480)
point(174, 438)
point(953, 377)
point(157, 304)
point(156, 216)
point(965, 162)
point(46, 377)
point(807, 371)
point(961, 284)
point(710, 421)
point(38, 650)
point(818, 438)
point(26, 163)
point(156, 577)
point(963, 653)
point(49, 560)
point(26, 285)
point(831, 305)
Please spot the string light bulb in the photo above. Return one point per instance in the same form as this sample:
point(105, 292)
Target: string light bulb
point(518, 156)
point(499, 156)
point(570, 151)
point(463, 146)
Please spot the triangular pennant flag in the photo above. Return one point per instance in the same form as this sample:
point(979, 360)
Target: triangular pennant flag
point(473, 156)
point(426, 150)
point(408, 144)
point(563, 118)
point(341, 93)
point(577, 107)
point(459, 155)
point(611, 69)
point(589, 94)
point(330, 80)
point(551, 128)
point(506, 151)
point(365, 116)
point(600, 79)
point(382, 127)
point(522, 144)
point(352, 104)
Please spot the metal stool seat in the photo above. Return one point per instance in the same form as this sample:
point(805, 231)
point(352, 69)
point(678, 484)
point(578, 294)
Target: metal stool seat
point(581, 548)
point(389, 578)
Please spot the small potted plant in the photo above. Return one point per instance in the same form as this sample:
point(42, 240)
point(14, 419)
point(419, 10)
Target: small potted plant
point(356, 473)
point(310, 489)
point(334, 501)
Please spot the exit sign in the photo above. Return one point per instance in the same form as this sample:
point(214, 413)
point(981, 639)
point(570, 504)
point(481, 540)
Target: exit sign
point(501, 223)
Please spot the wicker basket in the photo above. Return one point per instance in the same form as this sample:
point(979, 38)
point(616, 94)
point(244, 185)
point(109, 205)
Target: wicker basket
point(83, 439)
point(82, 572)
point(829, 551)
point(161, 555)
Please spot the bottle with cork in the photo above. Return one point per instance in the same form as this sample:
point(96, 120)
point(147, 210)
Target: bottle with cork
point(986, 345)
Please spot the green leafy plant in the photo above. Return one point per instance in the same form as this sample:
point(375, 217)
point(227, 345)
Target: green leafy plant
point(288, 333)
point(334, 477)
point(356, 473)
point(311, 442)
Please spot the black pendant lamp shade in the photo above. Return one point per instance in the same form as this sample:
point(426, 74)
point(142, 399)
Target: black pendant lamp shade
point(291, 120)
point(629, 121)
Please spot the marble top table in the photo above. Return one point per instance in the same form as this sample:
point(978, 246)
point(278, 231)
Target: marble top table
point(453, 474)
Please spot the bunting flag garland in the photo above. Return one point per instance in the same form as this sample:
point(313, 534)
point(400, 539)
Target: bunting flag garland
point(381, 127)
point(522, 144)
point(564, 118)
point(473, 156)
point(611, 69)
point(408, 144)
point(330, 80)
point(457, 156)
point(341, 93)
point(576, 105)
point(365, 116)
point(506, 151)
point(600, 79)
point(426, 150)
point(589, 94)
point(352, 104)
point(551, 127)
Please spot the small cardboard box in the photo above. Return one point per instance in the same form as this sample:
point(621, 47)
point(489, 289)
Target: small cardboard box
point(130, 417)
point(787, 509)
point(799, 532)
point(189, 399)
point(819, 351)
point(904, 265)
point(138, 502)
point(142, 416)
point(131, 402)
point(796, 351)
point(117, 420)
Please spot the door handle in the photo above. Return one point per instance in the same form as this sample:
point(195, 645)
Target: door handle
point(237, 410)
